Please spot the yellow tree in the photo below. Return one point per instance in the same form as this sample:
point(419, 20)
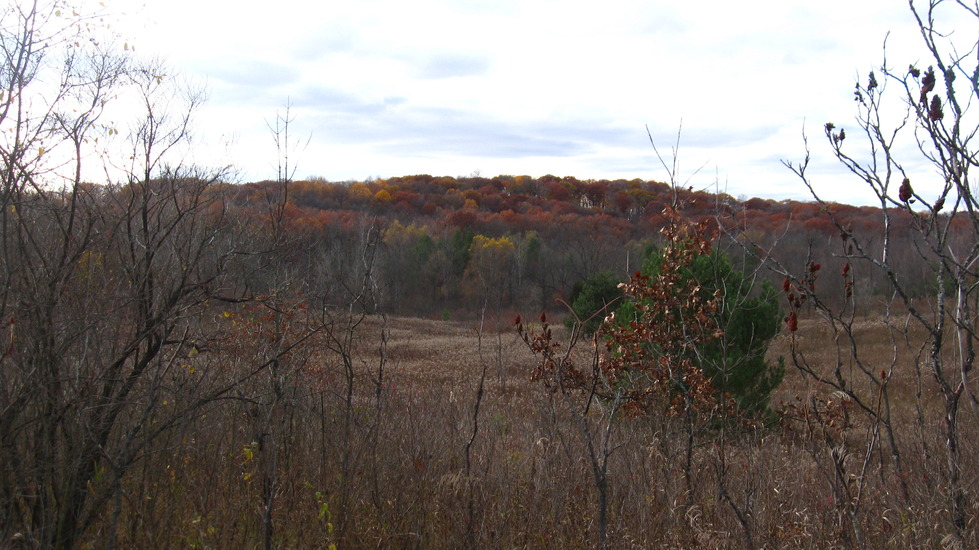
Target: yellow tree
point(491, 261)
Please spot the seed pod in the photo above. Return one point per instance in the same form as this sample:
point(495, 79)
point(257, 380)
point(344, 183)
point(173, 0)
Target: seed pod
point(935, 110)
point(905, 192)
point(927, 84)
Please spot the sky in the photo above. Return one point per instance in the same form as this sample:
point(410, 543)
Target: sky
point(383, 88)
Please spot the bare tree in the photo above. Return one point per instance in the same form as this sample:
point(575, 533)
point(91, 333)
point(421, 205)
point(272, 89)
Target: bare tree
point(109, 291)
point(913, 122)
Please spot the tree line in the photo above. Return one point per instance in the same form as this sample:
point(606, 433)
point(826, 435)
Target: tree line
point(443, 238)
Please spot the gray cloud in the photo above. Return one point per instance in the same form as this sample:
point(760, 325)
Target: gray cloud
point(712, 137)
point(488, 140)
point(453, 65)
point(251, 72)
point(250, 82)
point(401, 129)
point(332, 102)
point(644, 166)
point(336, 38)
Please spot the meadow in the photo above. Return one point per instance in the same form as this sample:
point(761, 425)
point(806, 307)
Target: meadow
point(407, 460)
point(189, 361)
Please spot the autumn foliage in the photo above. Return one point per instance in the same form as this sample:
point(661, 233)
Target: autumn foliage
point(656, 354)
point(562, 231)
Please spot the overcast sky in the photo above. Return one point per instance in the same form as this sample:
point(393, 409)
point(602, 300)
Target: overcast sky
point(565, 87)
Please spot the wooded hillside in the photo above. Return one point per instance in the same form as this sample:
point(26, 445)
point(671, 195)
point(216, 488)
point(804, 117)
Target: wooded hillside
point(444, 244)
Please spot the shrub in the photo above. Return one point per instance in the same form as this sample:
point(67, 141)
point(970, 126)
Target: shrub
point(592, 300)
point(746, 316)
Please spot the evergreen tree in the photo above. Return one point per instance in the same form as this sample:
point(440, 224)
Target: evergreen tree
point(748, 316)
point(592, 300)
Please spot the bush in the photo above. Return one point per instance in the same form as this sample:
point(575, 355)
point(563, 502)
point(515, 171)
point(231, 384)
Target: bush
point(747, 315)
point(592, 300)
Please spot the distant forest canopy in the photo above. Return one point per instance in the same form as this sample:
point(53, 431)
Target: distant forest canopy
point(445, 245)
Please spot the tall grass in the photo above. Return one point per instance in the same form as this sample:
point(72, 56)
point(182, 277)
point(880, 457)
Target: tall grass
point(399, 481)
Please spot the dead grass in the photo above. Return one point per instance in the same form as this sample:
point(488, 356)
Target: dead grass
point(390, 472)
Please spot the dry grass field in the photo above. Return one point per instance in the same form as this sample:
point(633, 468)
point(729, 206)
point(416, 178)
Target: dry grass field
point(388, 450)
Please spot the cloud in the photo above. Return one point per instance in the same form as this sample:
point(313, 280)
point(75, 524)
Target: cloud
point(393, 87)
point(719, 136)
point(338, 37)
point(249, 80)
point(454, 65)
point(331, 102)
point(662, 21)
point(402, 129)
